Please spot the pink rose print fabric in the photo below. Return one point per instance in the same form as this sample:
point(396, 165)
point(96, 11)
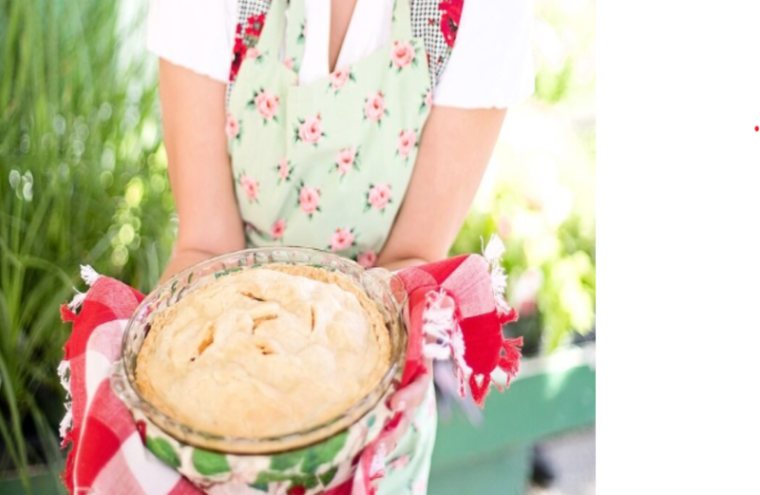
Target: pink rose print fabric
point(252, 53)
point(342, 239)
point(427, 101)
point(232, 129)
point(308, 199)
point(346, 159)
point(250, 187)
point(340, 78)
point(267, 104)
point(378, 196)
point(310, 131)
point(367, 259)
point(407, 141)
point(278, 229)
point(326, 160)
point(284, 171)
point(374, 107)
point(402, 54)
point(400, 462)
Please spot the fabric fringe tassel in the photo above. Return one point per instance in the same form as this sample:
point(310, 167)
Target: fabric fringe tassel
point(479, 387)
point(509, 362)
point(439, 322)
point(89, 275)
point(64, 372)
point(69, 314)
point(492, 252)
point(509, 352)
point(69, 311)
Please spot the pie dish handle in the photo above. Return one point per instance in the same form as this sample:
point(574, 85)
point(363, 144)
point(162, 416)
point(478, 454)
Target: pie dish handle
point(394, 284)
point(121, 387)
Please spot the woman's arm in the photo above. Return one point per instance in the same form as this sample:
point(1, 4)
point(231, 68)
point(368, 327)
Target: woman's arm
point(199, 169)
point(454, 151)
point(455, 148)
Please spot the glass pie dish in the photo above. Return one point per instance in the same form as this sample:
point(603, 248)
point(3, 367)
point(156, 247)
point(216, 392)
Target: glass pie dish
point(317, 458)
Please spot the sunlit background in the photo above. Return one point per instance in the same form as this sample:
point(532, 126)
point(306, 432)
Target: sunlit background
point(83, 180)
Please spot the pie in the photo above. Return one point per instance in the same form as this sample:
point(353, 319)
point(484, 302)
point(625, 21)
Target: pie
point(264, 352)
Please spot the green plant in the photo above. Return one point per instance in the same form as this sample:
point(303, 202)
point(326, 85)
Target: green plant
point(82, 180)
point(563, 40)
point(549, 259)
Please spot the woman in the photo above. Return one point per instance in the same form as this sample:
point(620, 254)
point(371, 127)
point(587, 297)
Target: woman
point(359, 126)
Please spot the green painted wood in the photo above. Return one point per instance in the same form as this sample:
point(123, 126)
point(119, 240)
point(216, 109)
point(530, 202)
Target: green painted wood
point(503, 474)
point(552, 394)
point(42, 483)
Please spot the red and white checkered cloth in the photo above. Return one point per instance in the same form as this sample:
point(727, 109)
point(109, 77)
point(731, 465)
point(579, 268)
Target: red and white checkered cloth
point(107, 454)
point(453, 302)
point(459, 304)
point(456, 310)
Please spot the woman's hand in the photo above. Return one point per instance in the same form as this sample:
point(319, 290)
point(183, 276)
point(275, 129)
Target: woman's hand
point(446, 176)
point(184, 258)
point(406, 401)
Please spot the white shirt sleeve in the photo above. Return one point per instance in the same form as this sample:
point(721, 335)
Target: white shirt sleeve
point(196, 34)
point(491, 64)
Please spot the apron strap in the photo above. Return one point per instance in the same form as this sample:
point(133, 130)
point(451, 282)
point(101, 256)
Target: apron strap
point(274, 28)
point(401, 28)
point(295, 41)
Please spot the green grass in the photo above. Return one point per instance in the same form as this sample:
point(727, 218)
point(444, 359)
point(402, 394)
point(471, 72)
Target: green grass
point(82, 180)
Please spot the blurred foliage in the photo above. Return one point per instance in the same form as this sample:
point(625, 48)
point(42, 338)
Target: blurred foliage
point(551, 266)
point(563, 40)
point(540, 197)
point(82, 180)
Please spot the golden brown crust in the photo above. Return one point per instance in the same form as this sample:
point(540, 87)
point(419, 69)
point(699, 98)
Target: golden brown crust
point(264, 352)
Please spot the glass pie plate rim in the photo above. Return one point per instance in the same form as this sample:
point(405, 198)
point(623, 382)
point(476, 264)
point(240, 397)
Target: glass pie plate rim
point(123, 371)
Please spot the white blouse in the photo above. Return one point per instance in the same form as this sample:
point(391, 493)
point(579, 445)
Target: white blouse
point(490, 66)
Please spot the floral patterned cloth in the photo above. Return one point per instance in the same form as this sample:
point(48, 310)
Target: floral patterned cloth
point(327, 164)
point(436, 22)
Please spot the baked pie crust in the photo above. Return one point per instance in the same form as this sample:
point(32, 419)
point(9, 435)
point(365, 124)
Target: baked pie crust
point(264, 352)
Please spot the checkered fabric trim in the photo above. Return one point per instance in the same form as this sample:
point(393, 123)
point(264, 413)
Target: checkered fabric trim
point(426, 24)
point(247, 8)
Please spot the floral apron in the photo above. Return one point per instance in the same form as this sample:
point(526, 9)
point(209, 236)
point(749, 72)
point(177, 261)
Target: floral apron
point(327, 164)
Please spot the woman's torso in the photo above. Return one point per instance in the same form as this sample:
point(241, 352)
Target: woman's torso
point(324, 160)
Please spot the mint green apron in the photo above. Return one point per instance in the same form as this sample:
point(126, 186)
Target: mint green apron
point(327, 164)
